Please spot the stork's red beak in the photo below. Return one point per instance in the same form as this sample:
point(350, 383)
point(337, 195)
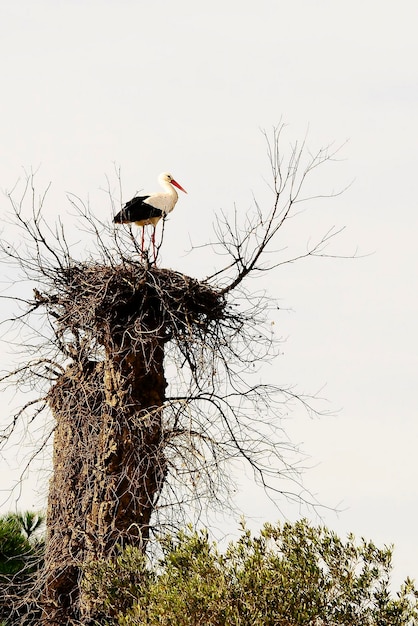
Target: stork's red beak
point(175, 183)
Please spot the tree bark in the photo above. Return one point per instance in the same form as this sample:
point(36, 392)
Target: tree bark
point(108, 467)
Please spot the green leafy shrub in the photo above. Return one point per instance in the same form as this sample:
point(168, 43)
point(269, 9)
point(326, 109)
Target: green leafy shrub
point(289, 575)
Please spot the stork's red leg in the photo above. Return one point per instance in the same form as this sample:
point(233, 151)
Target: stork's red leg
point(153, 244)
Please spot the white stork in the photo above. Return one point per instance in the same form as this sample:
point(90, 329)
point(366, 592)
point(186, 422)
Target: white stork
point(144, 210)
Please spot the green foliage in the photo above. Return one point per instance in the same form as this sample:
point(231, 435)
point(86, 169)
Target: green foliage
point(29, 522)
point(290, 575)
point(193, 587)
point(21, 554)
point(19, 547)
point(113, 585)
point(14, 547)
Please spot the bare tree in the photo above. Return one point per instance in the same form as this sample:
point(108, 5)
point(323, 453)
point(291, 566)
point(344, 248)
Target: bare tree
point(147, 375)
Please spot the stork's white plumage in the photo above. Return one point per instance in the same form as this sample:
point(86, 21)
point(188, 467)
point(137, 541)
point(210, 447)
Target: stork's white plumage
point(144, 210)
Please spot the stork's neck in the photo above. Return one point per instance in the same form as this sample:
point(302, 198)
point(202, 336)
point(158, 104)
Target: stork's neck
point(169, 189)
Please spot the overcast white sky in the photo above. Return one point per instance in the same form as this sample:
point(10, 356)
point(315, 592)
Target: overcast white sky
point(185, 86)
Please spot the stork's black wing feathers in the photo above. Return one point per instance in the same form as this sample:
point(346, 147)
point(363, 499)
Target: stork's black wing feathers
point(136, 200)
point(135, 211)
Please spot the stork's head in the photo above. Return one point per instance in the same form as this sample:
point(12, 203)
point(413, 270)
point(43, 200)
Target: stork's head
point(166, 177)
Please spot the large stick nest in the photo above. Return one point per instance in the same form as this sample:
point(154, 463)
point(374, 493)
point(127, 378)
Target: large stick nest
point(117, 304)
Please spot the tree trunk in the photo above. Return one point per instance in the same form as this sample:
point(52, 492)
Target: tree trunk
point(109, 467)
